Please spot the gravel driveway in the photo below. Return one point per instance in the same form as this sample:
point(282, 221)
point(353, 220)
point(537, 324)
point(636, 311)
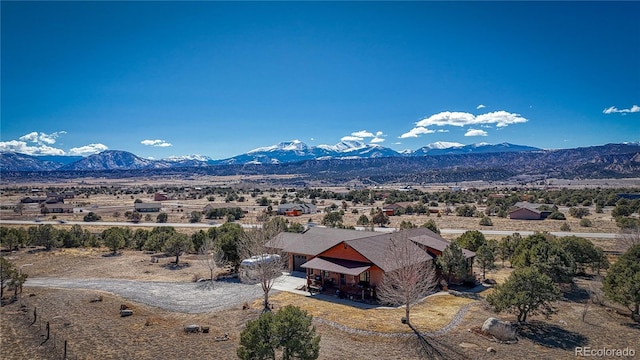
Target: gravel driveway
point(182, 297)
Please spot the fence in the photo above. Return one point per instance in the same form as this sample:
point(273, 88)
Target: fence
point(43, 330)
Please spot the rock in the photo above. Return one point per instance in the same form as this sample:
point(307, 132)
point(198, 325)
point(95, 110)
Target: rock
point(192, 329)
point(491, 350)
point(126, 312)
point(501, 330)
point(466, 345)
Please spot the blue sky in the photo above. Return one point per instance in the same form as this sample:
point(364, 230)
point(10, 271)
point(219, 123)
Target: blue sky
point(219, 79)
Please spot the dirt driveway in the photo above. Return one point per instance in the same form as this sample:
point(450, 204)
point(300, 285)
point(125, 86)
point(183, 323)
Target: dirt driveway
point(184, 297)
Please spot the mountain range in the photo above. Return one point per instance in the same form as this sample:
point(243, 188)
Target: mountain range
point(349, 161)
point(284, 152)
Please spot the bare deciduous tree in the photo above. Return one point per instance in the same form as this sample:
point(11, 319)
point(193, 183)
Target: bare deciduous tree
point(263, 260)
point(212, 257)
point(628, 238)
point(411, 275)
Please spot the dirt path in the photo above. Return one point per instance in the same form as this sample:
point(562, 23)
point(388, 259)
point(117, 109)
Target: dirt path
point(190, 298)
point(457, 319)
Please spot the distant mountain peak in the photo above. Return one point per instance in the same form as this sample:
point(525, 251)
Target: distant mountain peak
point(178, 158)
point(292, 145)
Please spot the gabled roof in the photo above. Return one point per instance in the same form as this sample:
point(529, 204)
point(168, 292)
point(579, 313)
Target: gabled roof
point(526, 205)
point(375, 248)
point(315, 240)
point(438, 244)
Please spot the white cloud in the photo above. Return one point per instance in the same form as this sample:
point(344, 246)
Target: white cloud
point(500, 118)
point(362, 134)
point(481, 106)
point(443, 131)
point(87, 149)
point(23, 148)
point(475, 132)
point(415, 132)
point(447, 118)
point(613, 109)
point(157, 143)
point(40, 137)
point(351, 138)
point(30, 137)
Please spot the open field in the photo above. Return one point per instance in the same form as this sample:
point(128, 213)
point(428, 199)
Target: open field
point(158, 294)
point(95, 329)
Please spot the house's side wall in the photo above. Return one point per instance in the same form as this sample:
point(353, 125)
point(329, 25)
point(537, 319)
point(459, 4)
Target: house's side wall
point(344, 251)
point(376, 275)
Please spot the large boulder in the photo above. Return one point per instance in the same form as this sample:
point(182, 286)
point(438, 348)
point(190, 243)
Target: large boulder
point(501, 330)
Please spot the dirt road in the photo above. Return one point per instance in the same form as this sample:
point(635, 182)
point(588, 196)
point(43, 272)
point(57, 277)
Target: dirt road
point(184, 297)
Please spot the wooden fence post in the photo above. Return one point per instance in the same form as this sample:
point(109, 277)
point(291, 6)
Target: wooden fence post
point(35, 315)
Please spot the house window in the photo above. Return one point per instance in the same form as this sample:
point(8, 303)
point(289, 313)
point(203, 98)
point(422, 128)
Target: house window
point(364, 276)
point(325, 274)
point(343, 281)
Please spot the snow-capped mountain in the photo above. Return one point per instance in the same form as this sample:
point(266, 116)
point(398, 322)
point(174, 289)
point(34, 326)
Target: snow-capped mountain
point(284, 152)
point(293, 145)
point(448, 148)
point(22, 162)
point(196, 157)
point(296, 150)
point(115, 160)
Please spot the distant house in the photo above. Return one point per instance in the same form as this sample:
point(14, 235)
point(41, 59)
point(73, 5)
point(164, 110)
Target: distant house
point(160, 196)
point(147, 207)
point(347, 258)
point(57, 208)
point(68, 194)
point(296, 209)
point(33, 200)
point(395, 208)
point(527, 211)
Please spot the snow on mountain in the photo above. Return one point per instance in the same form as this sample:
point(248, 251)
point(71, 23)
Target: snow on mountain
point(115, 160)
point(448, 148)
point(293, 145)
point(196, 157)
point(345, 146)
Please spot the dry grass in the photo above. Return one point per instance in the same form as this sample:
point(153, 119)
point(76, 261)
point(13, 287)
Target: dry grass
point(431, 314)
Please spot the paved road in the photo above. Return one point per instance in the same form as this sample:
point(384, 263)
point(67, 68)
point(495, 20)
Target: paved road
point(378, 229)
point(182, 297)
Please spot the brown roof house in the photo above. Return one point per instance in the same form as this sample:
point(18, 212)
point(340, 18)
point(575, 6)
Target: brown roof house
point(57, 208)
point(527, 211)
point(351, 260)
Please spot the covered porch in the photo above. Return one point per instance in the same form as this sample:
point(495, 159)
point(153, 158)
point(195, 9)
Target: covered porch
point(342, 278)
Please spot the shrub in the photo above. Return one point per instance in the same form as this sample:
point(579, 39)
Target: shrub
point(565, 227)
point(91, 217)
point(557, 215)
point(486, 221)
point(585, 223)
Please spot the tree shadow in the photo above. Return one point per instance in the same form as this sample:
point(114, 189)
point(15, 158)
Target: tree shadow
point(550, 335)
point(631, 325)
point(576, 294)
point(173, 266)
